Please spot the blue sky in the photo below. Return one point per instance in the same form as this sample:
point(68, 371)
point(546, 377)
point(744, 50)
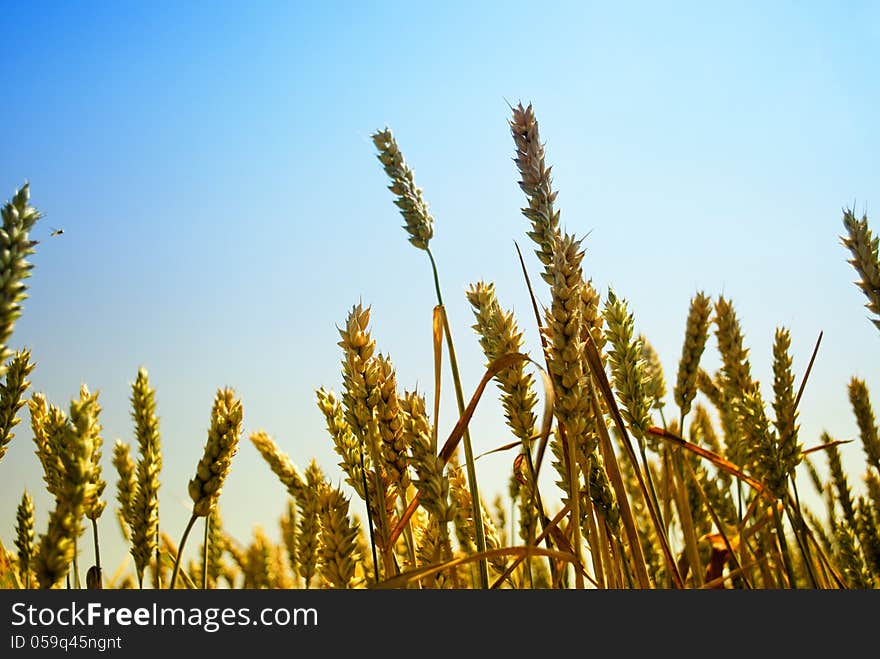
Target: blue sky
point(222, 207)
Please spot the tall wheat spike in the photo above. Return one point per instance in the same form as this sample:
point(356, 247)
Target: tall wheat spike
point(145, 500)
point(419, 224)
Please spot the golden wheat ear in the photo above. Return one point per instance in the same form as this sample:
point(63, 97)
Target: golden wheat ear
point(144, 497)
point(213, 468)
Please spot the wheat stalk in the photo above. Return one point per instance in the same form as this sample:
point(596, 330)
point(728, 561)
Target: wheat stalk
point(419, 224)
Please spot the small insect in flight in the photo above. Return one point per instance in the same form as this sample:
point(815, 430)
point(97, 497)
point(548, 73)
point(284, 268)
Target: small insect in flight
point(56, 232)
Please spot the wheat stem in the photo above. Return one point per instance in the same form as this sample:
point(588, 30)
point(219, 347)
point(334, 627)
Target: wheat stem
point(466, 436)
point(189, 525)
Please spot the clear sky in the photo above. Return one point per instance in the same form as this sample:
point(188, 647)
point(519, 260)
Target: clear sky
point(223, 209)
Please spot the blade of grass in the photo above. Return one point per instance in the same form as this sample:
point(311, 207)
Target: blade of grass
point(827, 445)
point(461, 426)
point(500, 449)
point(714, 458)
point(807, 373)
point(542, 445)
point(479, 531)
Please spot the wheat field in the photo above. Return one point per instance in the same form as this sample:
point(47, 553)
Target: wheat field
point(697, 490)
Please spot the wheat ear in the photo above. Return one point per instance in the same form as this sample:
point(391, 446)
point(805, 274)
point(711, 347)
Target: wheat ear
point(221, 446)
point(11, 396)
point(145, 501)
point(864, 413)
point(695, 336)
point(863, 247)
point(18, 218)
point(24, 537)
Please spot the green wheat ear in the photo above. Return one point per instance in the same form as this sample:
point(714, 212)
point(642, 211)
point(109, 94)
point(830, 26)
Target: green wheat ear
point(626, 358)
point(24, 537)
point(863, 246)
point(12, 396)
point(19, 218)
point(864, 413)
